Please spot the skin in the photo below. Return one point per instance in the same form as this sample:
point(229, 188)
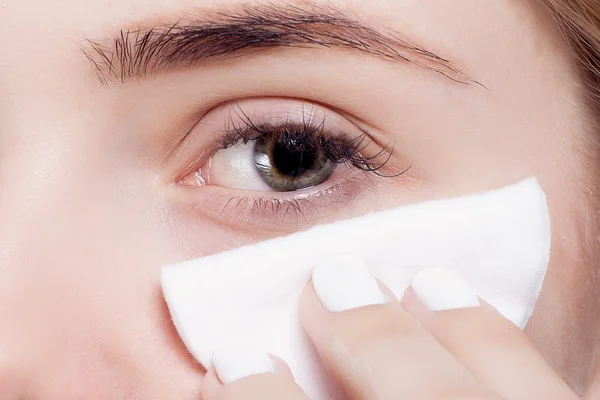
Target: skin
point(90, 208)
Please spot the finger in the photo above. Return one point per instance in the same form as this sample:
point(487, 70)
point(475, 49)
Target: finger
point(374, 348)
point(211, 385)
point(490, 346)
point(262, 387)
point(247, 375)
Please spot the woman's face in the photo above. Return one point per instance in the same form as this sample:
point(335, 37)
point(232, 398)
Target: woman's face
point(113, 113)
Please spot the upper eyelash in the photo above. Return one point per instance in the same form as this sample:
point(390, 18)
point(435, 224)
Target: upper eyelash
point(338, 149)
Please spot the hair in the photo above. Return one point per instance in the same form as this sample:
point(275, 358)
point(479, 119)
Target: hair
point(579, 22)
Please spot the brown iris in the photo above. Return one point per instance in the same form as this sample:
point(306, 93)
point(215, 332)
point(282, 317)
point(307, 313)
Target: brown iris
point(288, 161)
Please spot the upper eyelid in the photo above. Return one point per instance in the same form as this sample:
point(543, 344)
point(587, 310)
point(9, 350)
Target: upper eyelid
point(135, 53)
point(210, 143)
point(344, 148)
point(206, 136)
point(307, 114)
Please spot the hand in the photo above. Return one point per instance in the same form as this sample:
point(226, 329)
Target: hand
point(440, 342)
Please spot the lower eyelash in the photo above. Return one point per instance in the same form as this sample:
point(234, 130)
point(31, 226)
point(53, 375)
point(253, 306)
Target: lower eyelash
point(294, 210)
point(270, 206)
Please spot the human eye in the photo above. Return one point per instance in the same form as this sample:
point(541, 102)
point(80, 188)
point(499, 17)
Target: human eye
point(285, 161)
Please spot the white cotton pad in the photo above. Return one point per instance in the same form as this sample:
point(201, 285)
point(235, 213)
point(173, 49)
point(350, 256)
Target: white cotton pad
point(499, 241)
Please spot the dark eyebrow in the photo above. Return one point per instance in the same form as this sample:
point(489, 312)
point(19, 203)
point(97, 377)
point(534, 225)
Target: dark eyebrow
point(249, 29)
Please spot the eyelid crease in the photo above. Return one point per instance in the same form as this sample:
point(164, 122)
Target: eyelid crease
point(248, 29)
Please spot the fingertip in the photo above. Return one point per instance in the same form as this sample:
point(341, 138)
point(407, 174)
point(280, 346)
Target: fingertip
point(441, 289)
point(210, 386)
point(277, 384)
point(280, 367)
point(411, 303)
point(314, 313)
point(343, 282)
point(310, 308)
point(437, 289)
point(387, 292)
point(236, 361)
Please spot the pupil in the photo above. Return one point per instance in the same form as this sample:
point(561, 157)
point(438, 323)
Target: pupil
point(292, 159)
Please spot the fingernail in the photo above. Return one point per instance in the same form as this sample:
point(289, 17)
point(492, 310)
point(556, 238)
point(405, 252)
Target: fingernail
point(235, 363)
point(441, 289)
point(344, 283)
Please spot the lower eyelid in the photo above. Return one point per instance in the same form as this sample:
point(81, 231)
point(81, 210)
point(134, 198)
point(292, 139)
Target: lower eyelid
point(283, 214)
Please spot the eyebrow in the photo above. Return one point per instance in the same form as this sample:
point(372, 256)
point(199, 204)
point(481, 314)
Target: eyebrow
point(246, 30)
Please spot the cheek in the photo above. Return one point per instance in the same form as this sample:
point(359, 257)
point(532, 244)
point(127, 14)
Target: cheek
point(566, 316)
point(79, 294)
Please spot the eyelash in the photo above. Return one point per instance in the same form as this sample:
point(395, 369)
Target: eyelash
point(343, 143)
point(338, 149)
point(278, 210)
